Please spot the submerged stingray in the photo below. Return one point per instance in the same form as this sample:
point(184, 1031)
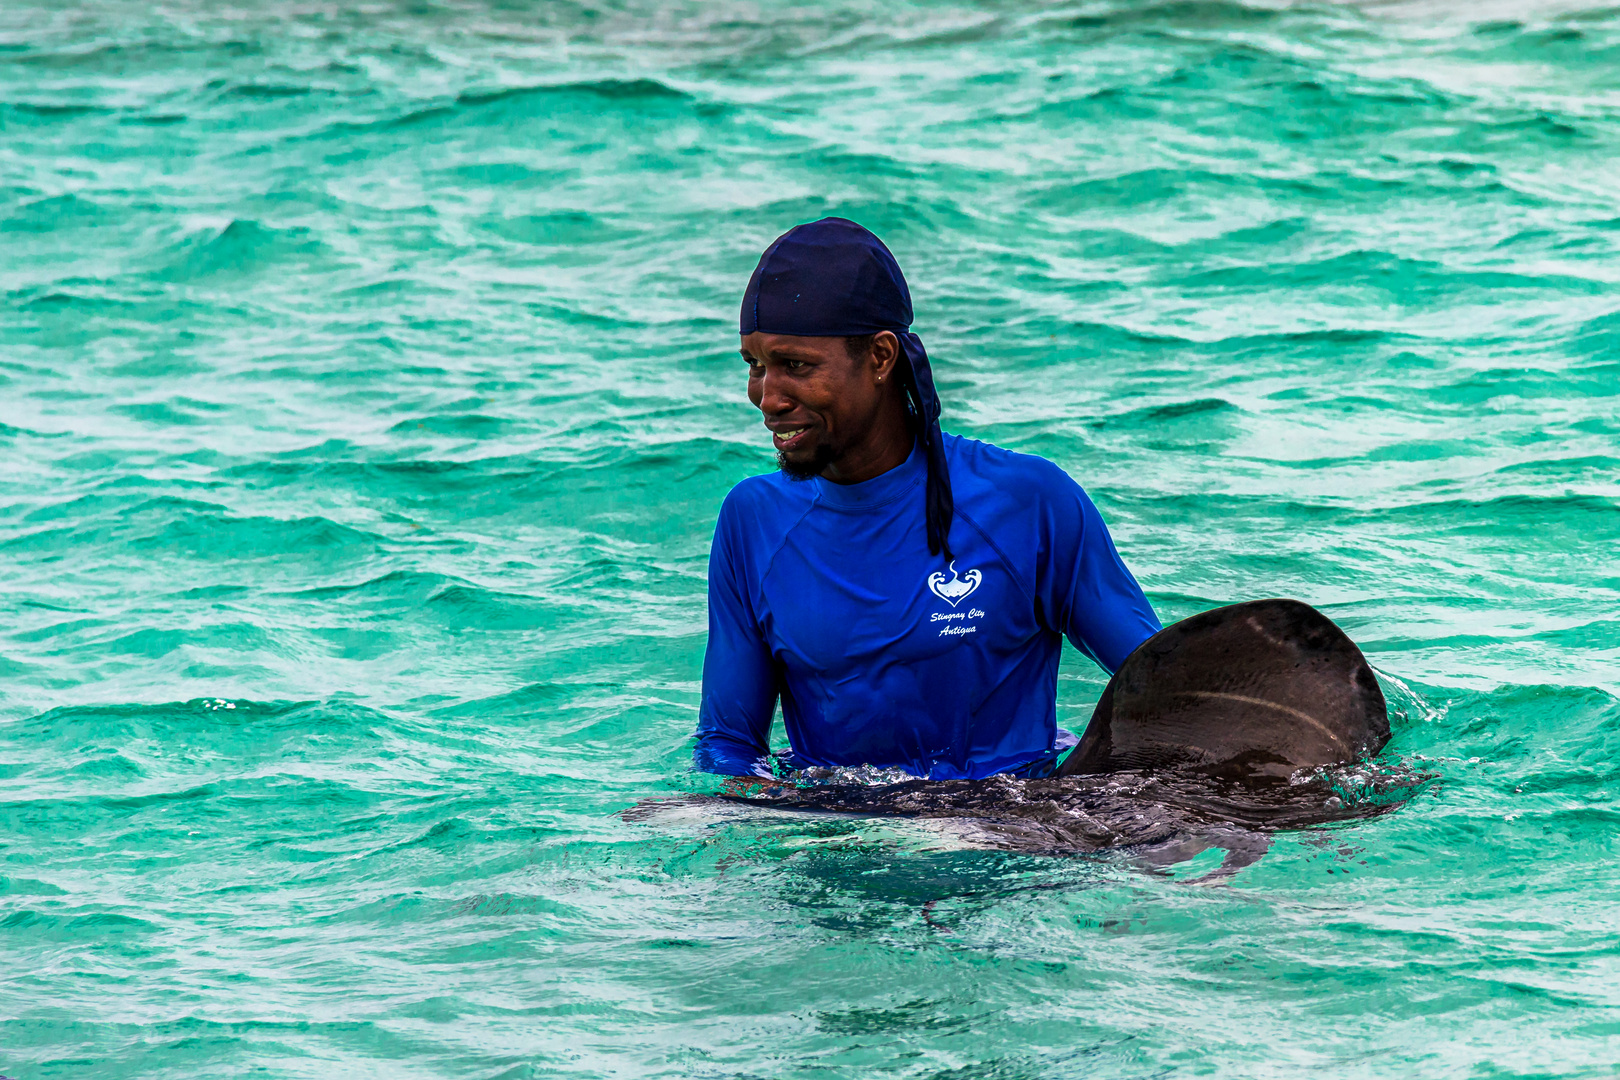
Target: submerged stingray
point(1215, 732)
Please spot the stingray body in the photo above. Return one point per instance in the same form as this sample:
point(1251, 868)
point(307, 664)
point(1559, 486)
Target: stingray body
point(1215, 732)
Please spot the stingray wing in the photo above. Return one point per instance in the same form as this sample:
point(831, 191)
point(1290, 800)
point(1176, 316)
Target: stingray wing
point(1260, 688)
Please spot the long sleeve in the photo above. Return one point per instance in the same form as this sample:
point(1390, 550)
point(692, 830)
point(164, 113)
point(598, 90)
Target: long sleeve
point(739, 681)
point(1084, 585)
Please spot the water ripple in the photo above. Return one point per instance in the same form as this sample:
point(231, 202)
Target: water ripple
point(369, 393)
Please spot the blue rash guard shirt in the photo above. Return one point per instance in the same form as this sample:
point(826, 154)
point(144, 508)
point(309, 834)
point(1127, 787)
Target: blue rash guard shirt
point(825, 594)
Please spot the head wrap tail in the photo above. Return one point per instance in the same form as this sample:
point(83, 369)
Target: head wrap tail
point(919, 382)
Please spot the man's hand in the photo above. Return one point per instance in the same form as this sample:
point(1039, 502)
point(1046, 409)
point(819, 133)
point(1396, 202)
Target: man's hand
point(753, 785)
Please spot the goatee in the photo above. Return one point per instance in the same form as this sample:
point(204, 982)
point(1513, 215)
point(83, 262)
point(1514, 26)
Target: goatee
point(806, 470)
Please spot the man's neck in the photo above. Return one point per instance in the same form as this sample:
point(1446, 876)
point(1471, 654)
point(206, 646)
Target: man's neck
point(874, 457)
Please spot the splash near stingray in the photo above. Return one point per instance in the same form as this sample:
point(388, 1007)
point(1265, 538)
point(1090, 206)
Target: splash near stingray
point(1214, 733)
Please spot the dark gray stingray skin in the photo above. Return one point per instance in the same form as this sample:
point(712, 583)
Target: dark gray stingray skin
point(1263, 688)
point(1155, 819)
point(1215, 732)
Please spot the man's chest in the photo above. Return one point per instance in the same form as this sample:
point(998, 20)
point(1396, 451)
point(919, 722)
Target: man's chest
point(841, 607)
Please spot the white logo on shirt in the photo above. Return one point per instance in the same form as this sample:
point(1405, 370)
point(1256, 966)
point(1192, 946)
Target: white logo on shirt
point(953, 590)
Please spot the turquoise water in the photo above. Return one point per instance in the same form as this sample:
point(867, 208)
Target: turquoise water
point(368, 389)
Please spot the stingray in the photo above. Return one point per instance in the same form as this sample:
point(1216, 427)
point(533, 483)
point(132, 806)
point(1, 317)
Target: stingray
point(1216, 732)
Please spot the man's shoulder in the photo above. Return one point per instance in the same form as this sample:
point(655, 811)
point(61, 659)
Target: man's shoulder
point(771, 489)
point(767, 500)
point(985, 468)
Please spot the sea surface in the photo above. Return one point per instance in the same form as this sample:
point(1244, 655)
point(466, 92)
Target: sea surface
point(368, 389)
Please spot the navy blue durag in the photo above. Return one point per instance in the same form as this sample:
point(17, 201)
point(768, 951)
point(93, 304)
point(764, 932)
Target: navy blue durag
point(833, 278)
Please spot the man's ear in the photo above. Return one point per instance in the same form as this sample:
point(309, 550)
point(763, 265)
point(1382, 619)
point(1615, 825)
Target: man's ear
point(885, 355)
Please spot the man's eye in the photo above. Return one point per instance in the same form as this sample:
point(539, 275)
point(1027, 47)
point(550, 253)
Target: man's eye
point(795, 365)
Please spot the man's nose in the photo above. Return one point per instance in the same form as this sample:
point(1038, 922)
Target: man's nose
point(773, 397)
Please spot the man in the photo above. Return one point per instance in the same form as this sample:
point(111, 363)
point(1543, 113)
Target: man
point(904, 592)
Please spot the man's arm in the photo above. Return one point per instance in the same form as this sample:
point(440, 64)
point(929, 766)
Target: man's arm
point(739, 680)
point(1085, 585)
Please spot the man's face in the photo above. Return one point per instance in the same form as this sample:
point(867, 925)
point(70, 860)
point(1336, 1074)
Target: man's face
point(818, 400)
